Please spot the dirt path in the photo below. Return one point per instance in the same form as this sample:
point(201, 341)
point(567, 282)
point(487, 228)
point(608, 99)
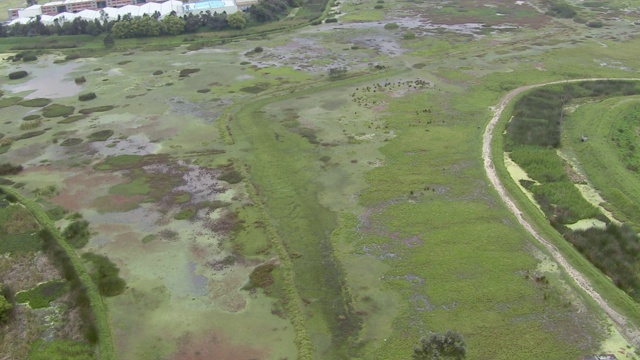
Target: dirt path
point(627, 330)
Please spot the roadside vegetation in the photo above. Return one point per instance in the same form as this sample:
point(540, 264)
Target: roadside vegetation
point(532, 137)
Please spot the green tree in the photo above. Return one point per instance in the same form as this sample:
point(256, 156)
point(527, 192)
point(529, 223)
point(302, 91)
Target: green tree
point(451, 345)
point(172, 25)
point(237, 20)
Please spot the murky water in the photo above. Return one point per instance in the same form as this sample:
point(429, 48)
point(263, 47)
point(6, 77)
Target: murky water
point(46, 80)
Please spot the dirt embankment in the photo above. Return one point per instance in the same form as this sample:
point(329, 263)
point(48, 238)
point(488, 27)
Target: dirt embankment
point(628, 330)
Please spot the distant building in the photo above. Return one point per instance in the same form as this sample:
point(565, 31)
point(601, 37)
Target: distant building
point(62, 11)
point(71, 6)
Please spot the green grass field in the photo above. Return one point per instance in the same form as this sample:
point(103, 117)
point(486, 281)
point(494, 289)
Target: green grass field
point(608, 155)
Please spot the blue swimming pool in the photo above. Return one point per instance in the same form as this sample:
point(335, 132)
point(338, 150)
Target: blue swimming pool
point(207, 5)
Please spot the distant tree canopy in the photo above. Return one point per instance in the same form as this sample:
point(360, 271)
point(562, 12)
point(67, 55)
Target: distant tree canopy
point(450, 345)
point(237, 21)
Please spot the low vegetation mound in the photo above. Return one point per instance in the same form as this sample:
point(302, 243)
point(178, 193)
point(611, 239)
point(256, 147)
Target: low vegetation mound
point(391, 26)
point(71, 119)
point(30, 134)
point(38, 102)
point(71, 142)
point(55, 110)
point(231, 177)
point(32, 117)
point(101, 135)
point(18, 75)
point(187, 72)
point(96, 109)
point(87, 96)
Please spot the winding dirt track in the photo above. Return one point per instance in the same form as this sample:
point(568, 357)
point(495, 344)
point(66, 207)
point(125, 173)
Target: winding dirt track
point(628, 330)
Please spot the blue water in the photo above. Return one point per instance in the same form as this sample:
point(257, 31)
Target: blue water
point(207, 5)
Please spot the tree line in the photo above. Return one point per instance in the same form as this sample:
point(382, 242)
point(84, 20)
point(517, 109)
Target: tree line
point(151, 25)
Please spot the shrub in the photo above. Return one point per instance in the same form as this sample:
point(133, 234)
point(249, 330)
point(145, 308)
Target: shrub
point(595, 24)
point(158, 72)
point(87, 96)
point(409, 36)
point(391, 26)
point(258, 49)
point(9, 169)
point(562, 10)
point(77, 233)
point(101, 135)
point(72, 57)
point(29, 57)
point(187, 72)
point(30, 125)
point(104, 274)
point(232, 177)
point(18, 75)
point(331, 20)
point(261, 276)
point(378, 7)
point(80, 80)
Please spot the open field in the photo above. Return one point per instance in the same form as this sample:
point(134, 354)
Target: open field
point(260, 206)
